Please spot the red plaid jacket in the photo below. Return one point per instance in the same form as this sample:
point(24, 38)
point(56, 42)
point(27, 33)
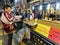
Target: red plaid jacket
point(7, 19)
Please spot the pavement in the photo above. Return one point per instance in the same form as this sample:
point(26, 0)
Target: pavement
point(0, 37)
point(1, 33)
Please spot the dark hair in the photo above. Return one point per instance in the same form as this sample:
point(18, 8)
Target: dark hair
point(0, 13)
point(6, 6)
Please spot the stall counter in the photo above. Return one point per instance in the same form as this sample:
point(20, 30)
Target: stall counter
point(49, 29)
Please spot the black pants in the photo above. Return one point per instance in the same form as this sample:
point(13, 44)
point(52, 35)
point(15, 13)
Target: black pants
point(10, 38)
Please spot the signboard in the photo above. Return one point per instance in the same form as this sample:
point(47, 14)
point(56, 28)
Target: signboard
point(43, 29)
point(54, 35)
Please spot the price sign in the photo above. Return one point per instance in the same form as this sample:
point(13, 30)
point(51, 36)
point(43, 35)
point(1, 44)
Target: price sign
point(54, 35)
point(43, 29)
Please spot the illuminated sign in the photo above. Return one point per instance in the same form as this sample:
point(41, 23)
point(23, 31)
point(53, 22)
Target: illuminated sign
point(54, 35)
point(43, 29)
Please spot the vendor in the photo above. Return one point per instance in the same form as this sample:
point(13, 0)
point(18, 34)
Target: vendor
point(52, 16)
point(52, 13)
point(38, 16)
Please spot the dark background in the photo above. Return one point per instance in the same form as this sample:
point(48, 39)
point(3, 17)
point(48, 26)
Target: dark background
point(29, 0)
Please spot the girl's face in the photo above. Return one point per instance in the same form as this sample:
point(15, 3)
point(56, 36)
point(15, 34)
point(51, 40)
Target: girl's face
point(8, 10)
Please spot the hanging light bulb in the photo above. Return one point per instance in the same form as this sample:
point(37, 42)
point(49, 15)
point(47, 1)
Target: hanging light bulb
point(40, 7)
point(33, 8)
point(48, 6)
point(15, 1)
point(57, 6)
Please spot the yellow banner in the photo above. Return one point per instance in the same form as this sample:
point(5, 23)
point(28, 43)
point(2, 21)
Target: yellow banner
point(43, 29)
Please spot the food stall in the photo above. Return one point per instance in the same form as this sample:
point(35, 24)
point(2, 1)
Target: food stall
point(44, 32)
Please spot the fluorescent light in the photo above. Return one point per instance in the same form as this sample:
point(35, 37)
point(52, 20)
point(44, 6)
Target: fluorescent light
point(48, 6)
point(15, 1)
point(12, 9)
point(57, 6)
point(40, 7)
point(33, 8)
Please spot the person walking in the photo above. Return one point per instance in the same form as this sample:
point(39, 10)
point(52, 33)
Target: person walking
point(8, 22)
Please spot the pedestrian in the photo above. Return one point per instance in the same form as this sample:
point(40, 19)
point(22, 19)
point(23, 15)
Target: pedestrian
point(8, 22)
